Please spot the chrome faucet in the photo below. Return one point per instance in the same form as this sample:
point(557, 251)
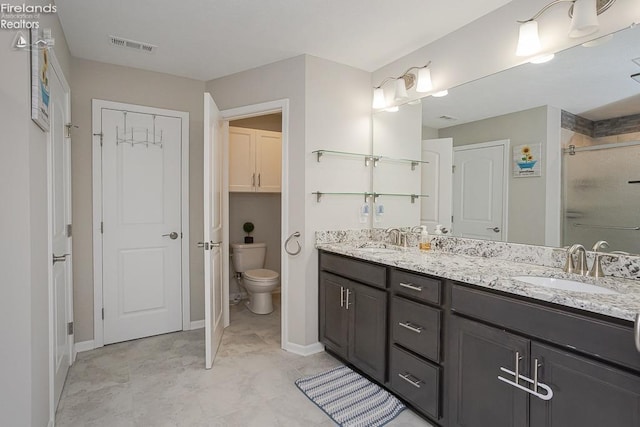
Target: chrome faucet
point(581, 268)
point(394, 235)
point(596, 268)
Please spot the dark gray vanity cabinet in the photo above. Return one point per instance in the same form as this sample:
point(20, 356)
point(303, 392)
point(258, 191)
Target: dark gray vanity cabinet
point(574, 390)
point(353, 315)
point(415, 327)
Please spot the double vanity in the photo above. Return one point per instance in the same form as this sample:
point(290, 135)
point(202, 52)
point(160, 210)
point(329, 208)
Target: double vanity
point(502, 339)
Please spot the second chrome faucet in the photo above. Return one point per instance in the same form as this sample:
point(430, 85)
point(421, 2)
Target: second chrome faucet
point(581, 267)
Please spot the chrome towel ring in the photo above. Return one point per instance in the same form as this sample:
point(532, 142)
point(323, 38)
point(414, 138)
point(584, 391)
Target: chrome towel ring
point(286, 244)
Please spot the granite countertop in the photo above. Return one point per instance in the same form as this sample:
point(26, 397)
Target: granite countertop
point(496, 274)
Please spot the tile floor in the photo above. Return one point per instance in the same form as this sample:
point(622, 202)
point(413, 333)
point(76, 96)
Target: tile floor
point(161, 381)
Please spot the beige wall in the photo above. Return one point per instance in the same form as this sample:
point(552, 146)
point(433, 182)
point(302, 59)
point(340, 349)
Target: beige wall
point(263, 210)
point(121, 84)
point(272, 122)
point(24, 301)
point(527, 196)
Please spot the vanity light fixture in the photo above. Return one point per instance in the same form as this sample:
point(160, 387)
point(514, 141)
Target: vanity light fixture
point(410, 78)
point(584, 21)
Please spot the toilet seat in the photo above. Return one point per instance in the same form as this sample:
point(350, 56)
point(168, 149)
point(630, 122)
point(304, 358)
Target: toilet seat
point(261, 275)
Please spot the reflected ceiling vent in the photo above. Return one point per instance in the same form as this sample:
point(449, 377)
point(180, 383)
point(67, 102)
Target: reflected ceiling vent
point(636, 77)
point(449, 118)
point(637, 61)
point(132, 44)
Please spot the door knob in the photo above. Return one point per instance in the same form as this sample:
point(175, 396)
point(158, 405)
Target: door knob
point(173, 235)
point(495, 229)
point(59, 258)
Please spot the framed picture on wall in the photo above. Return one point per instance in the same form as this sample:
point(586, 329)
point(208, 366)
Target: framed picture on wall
point(40, 69)
point(527, 160)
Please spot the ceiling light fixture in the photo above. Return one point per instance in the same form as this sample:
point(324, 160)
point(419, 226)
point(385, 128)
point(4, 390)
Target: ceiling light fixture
point(584, 21)
point(420, 79)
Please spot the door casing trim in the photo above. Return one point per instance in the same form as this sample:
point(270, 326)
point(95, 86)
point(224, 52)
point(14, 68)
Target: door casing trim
point(96, 106)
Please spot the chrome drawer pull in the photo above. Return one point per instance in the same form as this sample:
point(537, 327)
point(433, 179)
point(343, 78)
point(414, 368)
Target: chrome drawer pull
point(413, 328)
point(409, 378)
point(546, 388)
point(411, 286)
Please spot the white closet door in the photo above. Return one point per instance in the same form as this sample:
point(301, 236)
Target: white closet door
point(142, 288)
point(268, 161)
point(242, 154)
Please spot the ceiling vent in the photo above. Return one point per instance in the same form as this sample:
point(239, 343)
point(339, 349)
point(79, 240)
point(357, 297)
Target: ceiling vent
point(636, 77)
point(448, 118)
point(637, 61)
point(132, 44)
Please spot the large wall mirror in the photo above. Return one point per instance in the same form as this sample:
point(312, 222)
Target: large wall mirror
point(543, 154)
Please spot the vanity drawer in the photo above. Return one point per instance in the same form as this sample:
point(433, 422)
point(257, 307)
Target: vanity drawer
point(605, 340)
point(416, 286)
point(416, 327)
point(415, 380)
point(360, 271)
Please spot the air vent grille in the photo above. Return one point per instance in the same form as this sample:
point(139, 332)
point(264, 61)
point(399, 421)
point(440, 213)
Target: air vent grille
point(636, 77)
point(637, 61)
point(132, 44)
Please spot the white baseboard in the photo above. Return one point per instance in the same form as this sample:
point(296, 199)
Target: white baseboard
point(198, 324)
point(79, 347)
point(304, 350)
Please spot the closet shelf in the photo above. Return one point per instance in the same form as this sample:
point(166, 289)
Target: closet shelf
point(368, 158)
point(375, 196)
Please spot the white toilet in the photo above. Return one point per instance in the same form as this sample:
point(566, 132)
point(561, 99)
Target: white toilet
point(248, 259)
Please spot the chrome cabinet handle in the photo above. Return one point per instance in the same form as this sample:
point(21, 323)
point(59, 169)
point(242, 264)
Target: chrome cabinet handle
point(341, 296)
point(636, 332)
point(173, 235)
point(253, 180)
point(518, 359)
point(60, 258)
point(495, 229)
point(411, 286)
point(259, 179)
point(410, 379)
point(348, 295)
point(413, 328)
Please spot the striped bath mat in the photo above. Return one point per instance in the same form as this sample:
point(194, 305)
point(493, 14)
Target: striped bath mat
point(349, 399)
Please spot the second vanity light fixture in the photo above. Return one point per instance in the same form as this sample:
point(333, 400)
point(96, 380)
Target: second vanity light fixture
point(584, 21)
point(420, 77)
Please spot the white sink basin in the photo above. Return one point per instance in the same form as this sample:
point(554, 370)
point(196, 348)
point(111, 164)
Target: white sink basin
point(565, 285)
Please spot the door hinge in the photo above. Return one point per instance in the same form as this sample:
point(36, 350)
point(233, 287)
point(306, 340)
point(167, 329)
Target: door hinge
point(101, 135)
point(451, 218)
point(103, 313)
point(101, 227)
point(453, 168)
point(68, 230)
point(70, 328)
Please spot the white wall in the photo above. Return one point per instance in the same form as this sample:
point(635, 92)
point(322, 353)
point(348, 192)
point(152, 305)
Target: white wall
point(398, 135)
point(329, 107)
point(90, 80)
point(24, 303)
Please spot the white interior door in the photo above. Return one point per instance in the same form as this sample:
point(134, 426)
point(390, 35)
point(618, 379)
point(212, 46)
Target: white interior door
point(60, 212)
point(479, 195)
point(268, 161)
point(436, 183)
point(141, 211)
point(213, 244)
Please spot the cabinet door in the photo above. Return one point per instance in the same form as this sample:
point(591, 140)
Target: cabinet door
point(242, 155)
point(585, 393)
point(367, 309)
point(333, 315)
point(268, 161)
point(477, 397)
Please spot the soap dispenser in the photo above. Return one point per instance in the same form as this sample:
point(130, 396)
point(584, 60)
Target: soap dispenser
point(425, 242)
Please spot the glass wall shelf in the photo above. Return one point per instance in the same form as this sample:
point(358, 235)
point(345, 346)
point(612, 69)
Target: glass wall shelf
point(368, 158)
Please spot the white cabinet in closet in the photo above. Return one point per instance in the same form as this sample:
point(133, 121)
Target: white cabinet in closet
point(255, 160)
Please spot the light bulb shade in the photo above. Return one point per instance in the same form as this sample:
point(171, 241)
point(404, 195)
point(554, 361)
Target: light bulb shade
point(585, 18)
point(529, 40)
point(424, 80)
point(378, 98)
point(401, 90)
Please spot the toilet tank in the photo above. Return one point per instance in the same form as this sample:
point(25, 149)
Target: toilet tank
point(248, 256)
